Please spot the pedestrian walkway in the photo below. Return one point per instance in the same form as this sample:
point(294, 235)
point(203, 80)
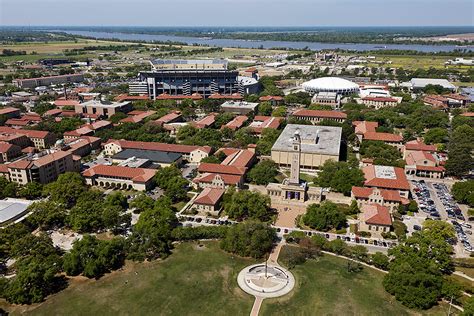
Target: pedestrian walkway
point(272, 259)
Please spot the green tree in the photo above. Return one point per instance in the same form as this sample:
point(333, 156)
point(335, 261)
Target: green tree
point(93, 257)
point(463, 192)
point(142, 202)
point(31, 190)
point(265, 108)
point(151, 236)
point(339, 176)
point(249, 239)
point(279, 111)
point(416, 270)
point(380, 260)
point(324, 216)
point(263, 173)
point(460, 147)
point(468, 307)
point(47, 215)
point(247, 204)
point(66, 189)
point(436, 135)
point(266, 141)
point(117, 117)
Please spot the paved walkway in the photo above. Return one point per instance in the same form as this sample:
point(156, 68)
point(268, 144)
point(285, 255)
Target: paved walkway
point(461, 274)
point(256, 306)
point(273, 259)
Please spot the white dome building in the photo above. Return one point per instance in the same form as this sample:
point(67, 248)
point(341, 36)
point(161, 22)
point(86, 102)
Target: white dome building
point(331, 84)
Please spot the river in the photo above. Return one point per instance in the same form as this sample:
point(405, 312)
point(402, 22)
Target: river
point(264, 44)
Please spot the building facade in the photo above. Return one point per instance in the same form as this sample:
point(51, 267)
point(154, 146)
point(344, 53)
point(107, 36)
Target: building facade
point(186, 77)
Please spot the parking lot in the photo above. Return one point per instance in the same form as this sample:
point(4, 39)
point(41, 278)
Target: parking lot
point(436, 203)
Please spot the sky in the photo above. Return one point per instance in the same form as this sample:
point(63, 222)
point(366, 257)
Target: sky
point(237, 12)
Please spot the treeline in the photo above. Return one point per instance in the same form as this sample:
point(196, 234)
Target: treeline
point(11, 52)
point(78, 51)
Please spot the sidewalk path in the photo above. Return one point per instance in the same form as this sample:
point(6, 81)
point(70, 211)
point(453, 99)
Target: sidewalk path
point(272, 259)
point(256, 306)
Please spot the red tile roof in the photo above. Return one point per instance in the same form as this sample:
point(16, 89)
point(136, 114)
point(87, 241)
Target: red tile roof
point(5, 147)
point(138, 117)
point(53, 112)
point(362, 127)
point(271, 98)
point(140, 175)
point(388, 195)
point(399, 182)
point(221, 169)
point(170, 117)
point(6, 111)
point(385, 137)
point(236, 123)
point(418, 145)
point(416, 157)
point(376, 214)
point(261, 122)
point(206, 121)
point(17, 122)
point(209, 196)
point(320, 113)
point(229, 179)
point(61, 103)
point(27, 133)
point(237, 157)
point(165, 96)
point(159, 146)
point(217, 96)
point(3, 168)
point(430, 168)
point(126, 97)
point(380, 99)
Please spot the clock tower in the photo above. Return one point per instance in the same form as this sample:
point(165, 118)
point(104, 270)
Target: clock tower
point(295, 160)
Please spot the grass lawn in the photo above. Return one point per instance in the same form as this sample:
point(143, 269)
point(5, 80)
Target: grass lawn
point(324, 287)
point(192, 281)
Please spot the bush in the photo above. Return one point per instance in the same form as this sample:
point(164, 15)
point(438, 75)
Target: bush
point(294, 236)
point(200, 232)
point(292, 256)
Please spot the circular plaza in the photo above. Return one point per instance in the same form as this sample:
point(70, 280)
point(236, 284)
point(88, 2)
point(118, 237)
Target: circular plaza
point(266, 281)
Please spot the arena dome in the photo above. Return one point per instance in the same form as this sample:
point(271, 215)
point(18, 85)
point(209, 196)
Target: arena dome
point(331, 84)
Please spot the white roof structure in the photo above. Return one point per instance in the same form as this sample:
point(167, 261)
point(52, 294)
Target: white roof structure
point(12, 209)
point(385, 172)
point(420, 83)
point(315, 139)
point(330, 84)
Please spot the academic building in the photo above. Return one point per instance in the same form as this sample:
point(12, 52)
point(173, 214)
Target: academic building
point(318, 144)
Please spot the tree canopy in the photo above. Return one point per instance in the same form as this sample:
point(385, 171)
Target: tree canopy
point(247, 204)
point(324, 216)
point(249, 239)
point(263, 173)
point(339, 176)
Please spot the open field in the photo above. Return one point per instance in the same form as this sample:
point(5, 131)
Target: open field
point(193, 281)
point(58, 47)
point(182, 285)
point(325, 287)
point(415, 62)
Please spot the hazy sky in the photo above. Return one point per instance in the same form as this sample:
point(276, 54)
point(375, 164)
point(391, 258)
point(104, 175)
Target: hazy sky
point(237, 12)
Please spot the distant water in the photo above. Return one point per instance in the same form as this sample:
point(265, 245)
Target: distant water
point(264, 44)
